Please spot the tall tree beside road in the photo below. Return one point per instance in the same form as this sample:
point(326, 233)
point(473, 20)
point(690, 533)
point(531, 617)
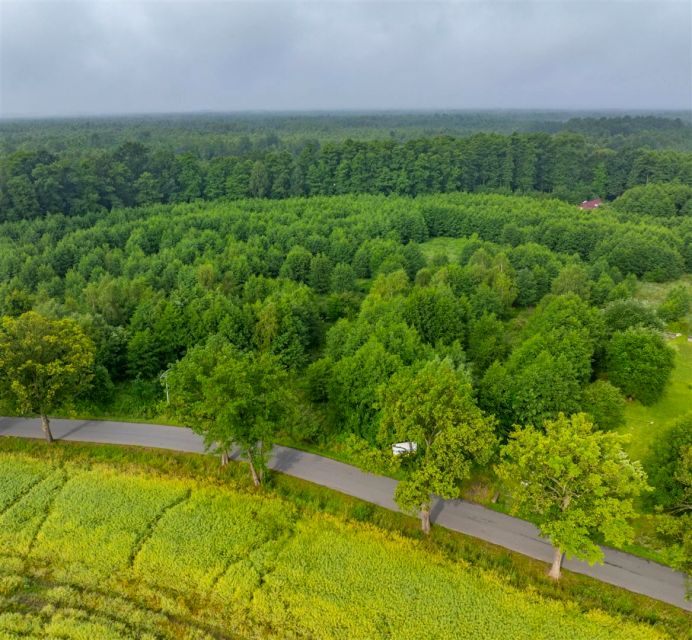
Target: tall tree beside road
point(434, 408)
point(575, 483)
point(44, 363)
point(232, 398)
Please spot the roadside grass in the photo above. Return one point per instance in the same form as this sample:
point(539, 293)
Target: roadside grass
point(310, 501)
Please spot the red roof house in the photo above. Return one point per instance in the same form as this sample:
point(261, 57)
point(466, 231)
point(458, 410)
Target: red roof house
point(591, 204)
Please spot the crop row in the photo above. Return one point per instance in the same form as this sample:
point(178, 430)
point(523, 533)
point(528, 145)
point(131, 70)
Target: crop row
point(77, 614)
point(17, 476)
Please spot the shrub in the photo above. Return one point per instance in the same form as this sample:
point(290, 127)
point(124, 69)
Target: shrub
point(639, 363)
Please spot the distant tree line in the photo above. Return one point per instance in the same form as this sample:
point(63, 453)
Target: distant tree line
point(214, 134)
point(565, 165)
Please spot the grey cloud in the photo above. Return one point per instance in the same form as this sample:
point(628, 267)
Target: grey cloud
point(133, 57)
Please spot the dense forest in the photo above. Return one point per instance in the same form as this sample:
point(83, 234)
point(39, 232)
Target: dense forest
point(209, 135)
point(345, 278)
point(566, 166)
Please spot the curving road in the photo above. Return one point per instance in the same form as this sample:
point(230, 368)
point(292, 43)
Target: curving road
point(621, 569)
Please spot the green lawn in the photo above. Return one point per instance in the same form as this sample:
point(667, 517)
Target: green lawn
point(645, 424)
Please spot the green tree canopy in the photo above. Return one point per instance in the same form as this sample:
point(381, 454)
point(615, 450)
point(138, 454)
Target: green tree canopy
point(650, 199)
point(232, 398)
point(436, 314)
point(320, 273)
point(297, 264)
point(669, 466)
point(486, 343)
point(343, 278)
point(577, 484)
point(623, 314)
point(353, 386)
point(639, 363)
point(573, 278)
point(605, 404)
point(542, 377)
point(670, 470)
point(434, 408)
point(44, 363)
point(676, 304)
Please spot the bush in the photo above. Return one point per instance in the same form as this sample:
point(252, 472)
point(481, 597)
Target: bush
point(605, 404)
point(665, 464)
point(623, 314)
point(639, 363)
point(676, 304)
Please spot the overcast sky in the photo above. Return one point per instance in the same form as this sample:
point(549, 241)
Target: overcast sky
point(64, 58)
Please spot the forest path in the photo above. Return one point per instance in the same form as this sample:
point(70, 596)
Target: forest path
point(620, 569)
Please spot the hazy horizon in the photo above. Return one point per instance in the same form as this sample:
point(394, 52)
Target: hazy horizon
point(109, 59)
point(537, 112)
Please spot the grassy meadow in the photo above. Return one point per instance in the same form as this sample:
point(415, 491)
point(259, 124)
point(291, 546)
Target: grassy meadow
point(108, 544)
point(645, 424)
point(655, 293)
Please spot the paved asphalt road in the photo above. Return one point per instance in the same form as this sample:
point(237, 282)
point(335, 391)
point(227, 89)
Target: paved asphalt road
point(621, 569)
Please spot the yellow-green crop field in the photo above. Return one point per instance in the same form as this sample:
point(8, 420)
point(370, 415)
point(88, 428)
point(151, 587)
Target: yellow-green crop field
point(98, 552)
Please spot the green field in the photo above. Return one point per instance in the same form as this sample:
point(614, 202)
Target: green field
point(91, 549)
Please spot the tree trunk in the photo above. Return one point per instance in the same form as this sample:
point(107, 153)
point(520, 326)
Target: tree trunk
point(255, 478)
point(224, 458)
point(45, 425)
point(558, 557)
point(425, 519)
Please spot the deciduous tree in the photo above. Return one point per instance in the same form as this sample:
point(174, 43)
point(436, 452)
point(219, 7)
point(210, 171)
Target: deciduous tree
point(231, 398)
point(639, 362)
point(676, 305)
point(434, 408)
point(576, 483)
point(623, 314)
point(43, 364)
point(605, 404)
point(670, 466)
